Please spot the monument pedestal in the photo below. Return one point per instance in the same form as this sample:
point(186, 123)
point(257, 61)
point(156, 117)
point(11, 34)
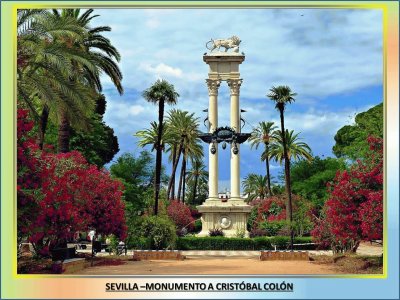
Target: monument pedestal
point(230, 216)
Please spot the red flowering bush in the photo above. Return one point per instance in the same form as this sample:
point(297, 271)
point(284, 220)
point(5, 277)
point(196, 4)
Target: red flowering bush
point(181, 215)
point(354, 210)
point(59, 194)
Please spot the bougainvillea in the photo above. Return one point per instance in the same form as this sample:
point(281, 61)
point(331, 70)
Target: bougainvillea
point(354, 210)
point(59, 194)
point(181, 215)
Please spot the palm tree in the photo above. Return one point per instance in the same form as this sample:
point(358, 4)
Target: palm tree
point(283, 95)
point(255, 186)
point(197, 173)
point(183, 130)
point(149, 136)
point(103, 55)
point(44, 67)
point(296, 149)
point(263, 134)
point(160, 92)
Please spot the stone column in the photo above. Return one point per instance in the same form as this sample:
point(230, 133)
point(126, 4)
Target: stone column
point(234, 85)
point(213, 85)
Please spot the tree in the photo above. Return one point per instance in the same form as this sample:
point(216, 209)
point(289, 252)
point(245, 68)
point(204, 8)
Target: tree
point(137, 175)
point(283, 95)
point(100, 52)
point(255, 186)
point(59, 194)
point(309, 179)
point(295, 149)
point(351, 140)
point(263, 134)
point(100, 145)
point(354, 210)
point(45, 69)
point(160, 92)
point(197, 174)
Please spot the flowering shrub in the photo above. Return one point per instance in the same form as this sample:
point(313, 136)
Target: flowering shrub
point(181, 215)
point(59, 194)
point(160, 231)
point(354, 210)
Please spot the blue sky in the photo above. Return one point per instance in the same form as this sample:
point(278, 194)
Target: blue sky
point(332, 58)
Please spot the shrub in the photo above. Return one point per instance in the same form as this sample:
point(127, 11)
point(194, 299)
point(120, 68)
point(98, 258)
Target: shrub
point(215, 232)
point(197, 226)
point(160, 231)
point(272, 227)
point(256, 232)
point(258, 243)
point(181, 215)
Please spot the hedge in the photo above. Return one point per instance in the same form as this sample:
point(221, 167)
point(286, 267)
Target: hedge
point(258, 243)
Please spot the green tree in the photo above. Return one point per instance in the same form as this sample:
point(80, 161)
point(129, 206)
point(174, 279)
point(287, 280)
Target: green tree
point(45, 68)
point(283, 95)
point(197, 174)
point(309, 179)
point(160, 92)
point(263, 135)
point(351, 140)
point(255, 186)
point(100, 52)
point(295, 149)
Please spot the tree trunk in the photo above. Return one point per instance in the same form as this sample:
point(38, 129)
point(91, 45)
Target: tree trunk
point(172, 178)
point(64, 131)
point(269, 191)
point(289, 212)
point(196, 178)
point(171, 184)
point(184, 181)
point(44, 117)
point(181, 177)
point(158, 155)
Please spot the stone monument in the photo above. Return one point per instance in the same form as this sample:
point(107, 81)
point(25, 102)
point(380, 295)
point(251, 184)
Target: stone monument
point(230, 215)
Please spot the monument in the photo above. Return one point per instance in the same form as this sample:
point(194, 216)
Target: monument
point(230, 215)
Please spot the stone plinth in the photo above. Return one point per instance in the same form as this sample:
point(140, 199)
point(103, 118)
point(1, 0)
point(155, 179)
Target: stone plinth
point(223, 65)
point(284, 255)
point(157, 255)
point(230, 216)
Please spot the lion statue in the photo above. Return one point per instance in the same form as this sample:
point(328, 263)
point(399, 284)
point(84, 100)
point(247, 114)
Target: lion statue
point(231, 43)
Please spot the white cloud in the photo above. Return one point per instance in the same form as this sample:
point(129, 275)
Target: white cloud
point(161, 70)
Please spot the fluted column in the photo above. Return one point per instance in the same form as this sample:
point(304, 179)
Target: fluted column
point(213, 85)
point(234, 85)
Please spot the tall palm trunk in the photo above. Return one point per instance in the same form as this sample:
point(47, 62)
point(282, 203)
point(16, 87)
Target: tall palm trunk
point(44, 117)
point(158, 155)
point(184, 182)
point(269, 191)
point(181, 176)
point(289, 212)
point(64, 131)
point(196, 178)
point(171, 184)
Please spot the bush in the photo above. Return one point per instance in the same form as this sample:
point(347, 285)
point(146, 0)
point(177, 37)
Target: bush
point(215, 232)
point(181, 215)
point(256, 232)
point(273, 227)
point(197, 226)
point(258, 243)
point(160, 231)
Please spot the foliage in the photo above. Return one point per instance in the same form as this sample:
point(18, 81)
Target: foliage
point(137, 175)
point(197, 226)
point(351, 140)
point(255, 186)
point(59, 194)
point(257, 243)
point(160, 231)
point(181, 215)
point(215, 232)
point(354, 210)
point(272, 228)
point(256, 232)
point(309, 179)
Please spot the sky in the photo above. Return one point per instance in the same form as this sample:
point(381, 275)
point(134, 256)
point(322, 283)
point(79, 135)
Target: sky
point(332, 59)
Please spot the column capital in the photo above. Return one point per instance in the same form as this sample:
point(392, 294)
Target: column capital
point(234, 85)
point(213, 85)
